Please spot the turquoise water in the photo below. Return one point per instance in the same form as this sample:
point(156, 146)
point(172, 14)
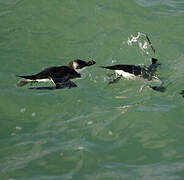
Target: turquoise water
point(122, 131)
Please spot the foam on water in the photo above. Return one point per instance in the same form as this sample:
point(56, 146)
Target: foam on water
point(142, 43)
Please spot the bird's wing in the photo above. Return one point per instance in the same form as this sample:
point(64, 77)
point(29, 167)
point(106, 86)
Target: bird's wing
point(43, 74)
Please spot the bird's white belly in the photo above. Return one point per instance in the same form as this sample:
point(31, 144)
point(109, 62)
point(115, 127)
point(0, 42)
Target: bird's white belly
point(43, 80)
point(124, 74)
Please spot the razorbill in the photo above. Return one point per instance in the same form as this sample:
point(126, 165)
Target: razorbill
point(131, 71)
point(59, 75)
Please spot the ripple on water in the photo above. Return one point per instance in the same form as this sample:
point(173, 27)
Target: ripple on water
point(10, 2)
point(163, 7)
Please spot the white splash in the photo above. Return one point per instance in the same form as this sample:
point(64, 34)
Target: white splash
point(90, 122)
point(133, 39)
point(142, 44)
point(114, 61)
point(33, 114)
point(80, 148)
point(18, 128)
point(23, 110)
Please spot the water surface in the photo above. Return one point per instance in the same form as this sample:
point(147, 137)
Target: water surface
point(95, 131)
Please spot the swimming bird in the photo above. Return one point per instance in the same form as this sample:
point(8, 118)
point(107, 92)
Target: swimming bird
point(58, 75)
point(131, 71)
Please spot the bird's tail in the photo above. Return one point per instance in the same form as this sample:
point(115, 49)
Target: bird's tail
point(110, 67)
point(106, 67)
point(31, 77)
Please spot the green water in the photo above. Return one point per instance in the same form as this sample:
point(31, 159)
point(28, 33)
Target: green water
point(122, 131)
